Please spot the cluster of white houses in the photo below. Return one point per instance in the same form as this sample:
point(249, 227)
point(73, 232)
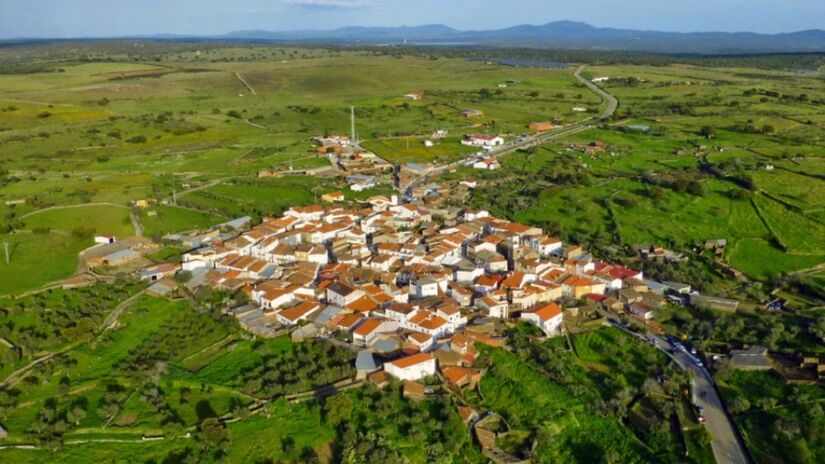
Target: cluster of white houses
point(407, 278)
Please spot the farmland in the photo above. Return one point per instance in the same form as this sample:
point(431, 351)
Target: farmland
point(100, 378)
point(116, 132)
point(756, 181)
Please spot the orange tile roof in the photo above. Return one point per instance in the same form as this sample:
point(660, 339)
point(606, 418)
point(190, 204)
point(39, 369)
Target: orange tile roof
point(413, 360)
point(457, 375)
point(348, 321)
point(363, 304)
point(296, 312)
point(420, 338)
point(546, 311)
point(578, 281)
point(368, 327)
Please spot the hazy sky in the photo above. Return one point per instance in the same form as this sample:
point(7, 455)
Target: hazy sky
point(85, 18)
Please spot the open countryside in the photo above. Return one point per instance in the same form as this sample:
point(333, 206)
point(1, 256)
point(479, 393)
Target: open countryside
point(321, 252)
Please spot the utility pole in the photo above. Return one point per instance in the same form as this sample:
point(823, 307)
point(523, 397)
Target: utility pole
point(353, 136)
point(6, 246)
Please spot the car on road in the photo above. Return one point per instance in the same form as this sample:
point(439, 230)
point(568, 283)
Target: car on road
point(699, 363)
point(702, 419)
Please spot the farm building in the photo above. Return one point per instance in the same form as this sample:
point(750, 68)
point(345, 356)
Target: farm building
point(540, 126)
point(119, 258)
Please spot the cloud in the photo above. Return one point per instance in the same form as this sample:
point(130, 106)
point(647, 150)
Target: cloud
point(322, 4)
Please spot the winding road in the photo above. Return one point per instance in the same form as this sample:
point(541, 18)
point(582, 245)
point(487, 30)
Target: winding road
point(612, 102)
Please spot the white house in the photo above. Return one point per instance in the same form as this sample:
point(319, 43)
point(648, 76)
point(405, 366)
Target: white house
point(488, 164)
point(544, 245)
point(341, 294)
point(413, 367)
point(369, 330)
point(548, 317)
point(600, 79)
point(105, 239)
point(425, 287)
point(494, 308)
point(482, 140)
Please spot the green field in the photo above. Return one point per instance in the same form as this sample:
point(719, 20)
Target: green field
point(413, 150)
point(37, 259)
point(170, 219)
point(555, 395)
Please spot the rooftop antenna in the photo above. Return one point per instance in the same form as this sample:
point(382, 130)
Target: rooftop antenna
point(6, 246)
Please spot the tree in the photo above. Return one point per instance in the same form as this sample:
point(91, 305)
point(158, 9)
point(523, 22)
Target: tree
point(818, 328)
point(338, 409)
point(740, 405)
point(768, 129)
point(212, 433)
point(707, 132)
point(695, 187)
point(76, 414)
point(656, 192)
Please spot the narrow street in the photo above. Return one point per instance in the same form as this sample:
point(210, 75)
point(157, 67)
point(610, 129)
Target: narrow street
point(725, 441)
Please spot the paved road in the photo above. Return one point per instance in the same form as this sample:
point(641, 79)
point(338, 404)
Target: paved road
point(727, 448)
point(538, 139)
point(507, 148)
point(612, 102)
point(725, 442)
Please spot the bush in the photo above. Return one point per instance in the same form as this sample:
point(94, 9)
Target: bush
point(137, 139)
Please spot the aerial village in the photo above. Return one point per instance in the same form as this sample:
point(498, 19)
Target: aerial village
point(413, 287)
point(411, 283)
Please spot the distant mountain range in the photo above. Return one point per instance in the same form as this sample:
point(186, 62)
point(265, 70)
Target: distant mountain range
point(560, 35)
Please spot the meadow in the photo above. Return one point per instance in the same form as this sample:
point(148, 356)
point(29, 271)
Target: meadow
point(758, 177)
point(107, 130)
point(113, 132)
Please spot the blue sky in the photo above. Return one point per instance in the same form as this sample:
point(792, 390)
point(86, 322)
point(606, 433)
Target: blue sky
point(96, 18)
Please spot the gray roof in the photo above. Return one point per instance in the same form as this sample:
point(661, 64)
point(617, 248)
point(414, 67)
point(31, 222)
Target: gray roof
point(236, 223)
point(385, 346)
point(327, 314)
point(161, 288)
point(365, 361)
point(676, 285)
point(653, 285)
point(754, 357)
point(127, 253)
